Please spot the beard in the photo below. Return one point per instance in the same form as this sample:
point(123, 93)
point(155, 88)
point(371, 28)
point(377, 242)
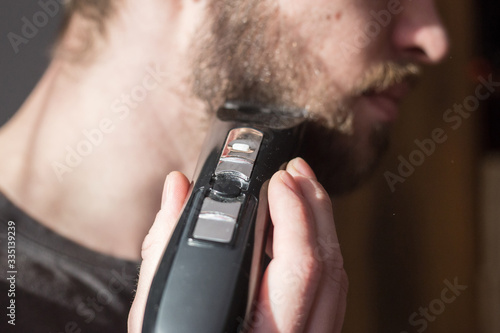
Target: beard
point(248, 53)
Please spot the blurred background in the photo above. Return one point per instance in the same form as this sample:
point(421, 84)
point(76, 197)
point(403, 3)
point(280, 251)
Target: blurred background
point(421, 240)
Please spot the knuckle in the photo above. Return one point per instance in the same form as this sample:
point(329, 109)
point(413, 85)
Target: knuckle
point(337, 275)
point(336, 259)
point(333, 266)
point(150, 245)
point(146, 246)
point(328, 251)
point(311, 269)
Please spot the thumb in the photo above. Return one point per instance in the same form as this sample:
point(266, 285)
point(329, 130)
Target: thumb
point(174, 195)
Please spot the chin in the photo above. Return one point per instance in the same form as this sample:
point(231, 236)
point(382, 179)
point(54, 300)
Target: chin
point(342, 162)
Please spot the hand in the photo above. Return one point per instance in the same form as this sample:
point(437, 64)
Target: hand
point(304, 287)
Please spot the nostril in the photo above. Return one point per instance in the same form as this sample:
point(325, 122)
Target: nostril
point(416, 53)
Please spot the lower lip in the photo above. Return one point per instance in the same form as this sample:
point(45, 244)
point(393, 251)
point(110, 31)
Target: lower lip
point(385, 107)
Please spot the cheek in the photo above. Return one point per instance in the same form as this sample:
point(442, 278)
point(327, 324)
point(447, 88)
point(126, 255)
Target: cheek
point(326, 28)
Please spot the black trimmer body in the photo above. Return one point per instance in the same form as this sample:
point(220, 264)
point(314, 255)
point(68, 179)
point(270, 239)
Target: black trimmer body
point(210, 273)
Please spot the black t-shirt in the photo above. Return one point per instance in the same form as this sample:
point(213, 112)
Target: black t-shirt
point(55, 285)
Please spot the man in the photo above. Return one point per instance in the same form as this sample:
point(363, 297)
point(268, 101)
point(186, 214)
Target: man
point(126, 100)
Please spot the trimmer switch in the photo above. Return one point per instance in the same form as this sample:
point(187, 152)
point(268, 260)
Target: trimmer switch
point(239, 153)
point(217, 220)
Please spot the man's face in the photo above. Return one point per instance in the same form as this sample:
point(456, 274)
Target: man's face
point(347, 62)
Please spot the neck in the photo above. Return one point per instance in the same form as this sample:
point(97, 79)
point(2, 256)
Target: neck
point(89, 150)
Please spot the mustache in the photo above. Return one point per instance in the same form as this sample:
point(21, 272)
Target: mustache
point(377, 79)
point(382, 76)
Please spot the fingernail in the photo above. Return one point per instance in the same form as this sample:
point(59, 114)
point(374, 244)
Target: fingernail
point(165, 193)
point(289, 181)
point(302, 168)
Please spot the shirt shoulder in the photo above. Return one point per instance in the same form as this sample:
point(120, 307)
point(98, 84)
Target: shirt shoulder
point(58, 283)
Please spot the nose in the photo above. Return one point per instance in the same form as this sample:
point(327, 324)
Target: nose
point(419, 33)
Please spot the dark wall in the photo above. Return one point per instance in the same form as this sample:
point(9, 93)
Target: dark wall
point(489, 28)
point(24, 48)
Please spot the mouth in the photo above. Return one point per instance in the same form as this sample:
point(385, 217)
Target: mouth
point(385, 103)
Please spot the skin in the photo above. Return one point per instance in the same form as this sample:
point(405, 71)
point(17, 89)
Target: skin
point(104, 202)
